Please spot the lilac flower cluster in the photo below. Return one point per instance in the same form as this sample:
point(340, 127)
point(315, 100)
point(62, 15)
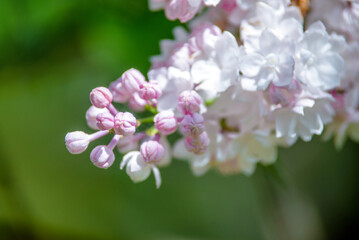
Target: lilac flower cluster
point(249, 77)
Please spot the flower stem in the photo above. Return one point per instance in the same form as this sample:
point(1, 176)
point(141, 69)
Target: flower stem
point(112, 110)
point(114, 141)
point(98, 135)
point(146, 120)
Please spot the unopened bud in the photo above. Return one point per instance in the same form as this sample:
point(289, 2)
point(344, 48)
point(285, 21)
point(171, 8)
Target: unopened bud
point(136, 103)
point(132, 79)
point(105, 121)
point(101, 97)
point(198, 144)
point(119, 92)
point(91, 116)
point(166, 122)
point(182, 10)
point(189, 102)
point(193, 124)
point(102, 156)
point(150, 90)
point(152, 151)
point(77, 142)
point(125, 123)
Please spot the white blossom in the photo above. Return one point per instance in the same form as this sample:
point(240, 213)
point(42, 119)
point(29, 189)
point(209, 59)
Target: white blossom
point(341, 16)
point(138, 170)
point(284, 21)
point(318, 62)
point(272, 62)
point(304, 117)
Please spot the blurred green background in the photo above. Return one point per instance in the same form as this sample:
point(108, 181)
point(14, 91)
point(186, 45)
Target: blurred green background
point(52, 53)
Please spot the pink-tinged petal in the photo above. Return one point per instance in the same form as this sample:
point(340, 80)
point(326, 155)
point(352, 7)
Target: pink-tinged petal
point(194, 3)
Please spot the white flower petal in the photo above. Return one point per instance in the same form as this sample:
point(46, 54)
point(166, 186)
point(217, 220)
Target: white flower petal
point(128, 157)
point(137, 169)
point(268, 43)
point(211, 2)
point(251, 64)
point(157, 175)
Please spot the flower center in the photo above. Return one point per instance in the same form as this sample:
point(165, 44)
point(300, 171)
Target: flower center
point(272, 60)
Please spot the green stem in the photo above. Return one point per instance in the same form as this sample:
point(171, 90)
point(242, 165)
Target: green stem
point(146, 120)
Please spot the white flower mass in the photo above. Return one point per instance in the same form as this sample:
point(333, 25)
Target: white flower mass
point(269, 84)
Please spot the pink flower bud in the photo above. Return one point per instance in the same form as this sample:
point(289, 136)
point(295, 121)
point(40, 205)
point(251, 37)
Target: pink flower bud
point(183, 10)
point(152, 151)
point(136, 103)
point(101, 97)
point(189, 102)
point(132, 79)
point(105, 121)
point(119, 93)
point(102, 156)
point(150, 90)
point(198, 144)
point(166, 122)
point(125, 123)
point(192, 124)
point(77, 142)
point(91, 116)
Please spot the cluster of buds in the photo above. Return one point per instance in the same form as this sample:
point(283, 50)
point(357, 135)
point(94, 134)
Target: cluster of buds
point(133, 88)
point(196, 140)
point(103, 116)
point(140, 94)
